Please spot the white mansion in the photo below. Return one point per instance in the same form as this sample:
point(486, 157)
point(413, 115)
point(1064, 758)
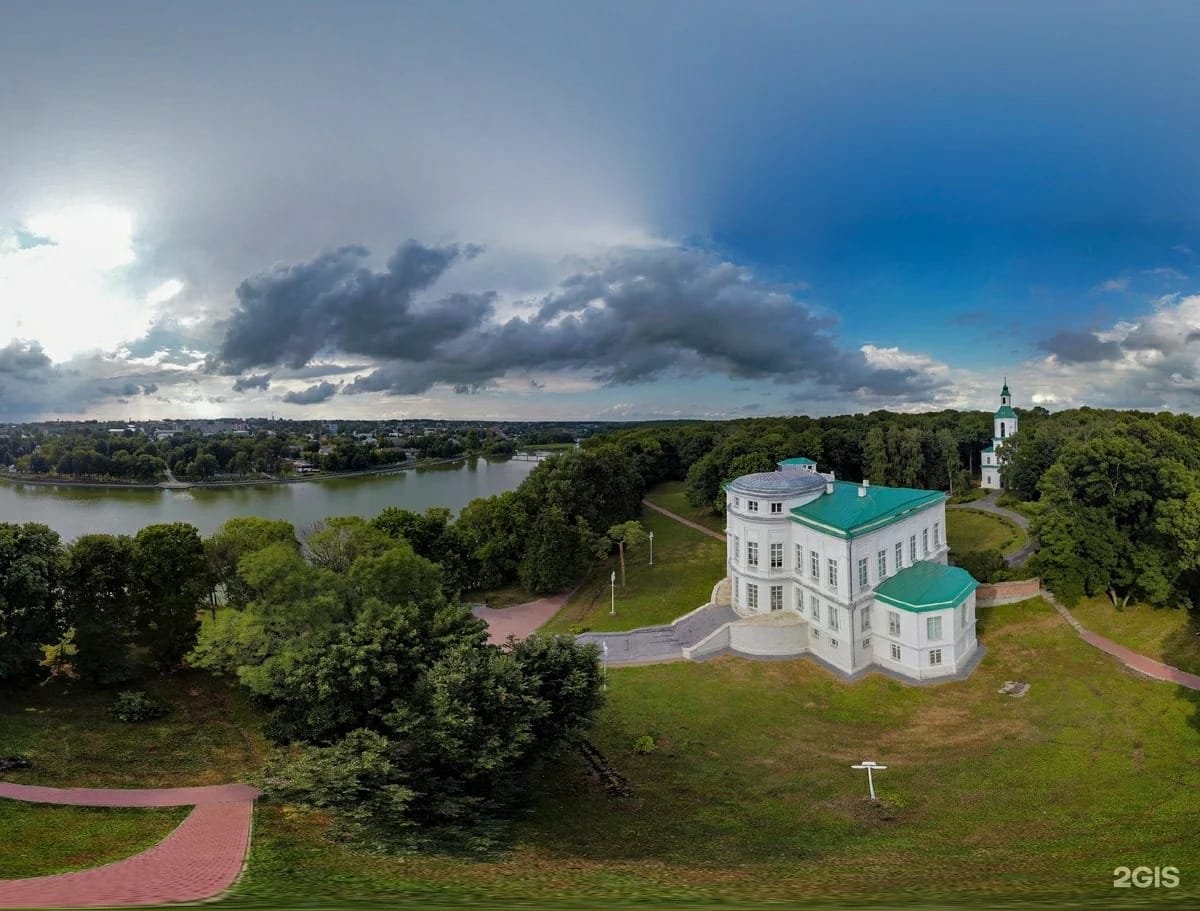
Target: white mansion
point(1004, 425)
point(853, 574)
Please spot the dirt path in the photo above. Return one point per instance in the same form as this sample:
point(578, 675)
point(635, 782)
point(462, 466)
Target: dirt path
point(682, 521)
point(198, 861)
point(1128, 657)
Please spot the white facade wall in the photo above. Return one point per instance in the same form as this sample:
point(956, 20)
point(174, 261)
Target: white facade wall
point(849, 647)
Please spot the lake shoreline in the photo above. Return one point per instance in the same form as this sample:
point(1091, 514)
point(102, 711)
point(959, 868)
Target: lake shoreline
point(45, 481)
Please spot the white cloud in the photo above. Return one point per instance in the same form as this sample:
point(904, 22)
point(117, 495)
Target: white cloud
point(164, 292)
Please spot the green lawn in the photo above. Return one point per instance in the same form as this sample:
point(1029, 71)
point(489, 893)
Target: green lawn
point(40, 840)
point(1170, 635)
point(968, 529)
point(210, 737)
point(670, 495)
point(687, 564)
point(749, 797)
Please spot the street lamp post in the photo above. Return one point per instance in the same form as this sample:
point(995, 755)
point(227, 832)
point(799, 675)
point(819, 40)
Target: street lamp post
point(613, 581)
point(870, 766)
point(604, 668)
point(651, 548)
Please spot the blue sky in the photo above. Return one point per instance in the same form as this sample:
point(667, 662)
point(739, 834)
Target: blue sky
point(597, 210)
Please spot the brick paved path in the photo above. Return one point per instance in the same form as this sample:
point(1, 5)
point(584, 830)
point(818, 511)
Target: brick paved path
point(520, 620)
point(682, 521)
point(1128, 657)
point(200, 860)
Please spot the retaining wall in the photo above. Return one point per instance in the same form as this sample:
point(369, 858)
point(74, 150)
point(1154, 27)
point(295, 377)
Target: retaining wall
point(990, 594)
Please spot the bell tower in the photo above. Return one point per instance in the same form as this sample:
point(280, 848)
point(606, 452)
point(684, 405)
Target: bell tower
point(1004, 425)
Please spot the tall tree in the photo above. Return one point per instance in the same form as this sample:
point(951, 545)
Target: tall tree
point(30, 611)
point(169, 584)
point(96, 583)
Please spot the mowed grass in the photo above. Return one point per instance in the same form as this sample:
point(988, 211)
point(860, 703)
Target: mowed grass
point(1170, 635)
point(687, 564)
point(210, 737)
point(749, 797)
point(671, 495)
point(40, 840)
point(968, 530)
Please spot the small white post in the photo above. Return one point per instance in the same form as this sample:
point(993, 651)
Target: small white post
point(613, 580)
point(870, 766)
point(651, 548)
point(604, 668)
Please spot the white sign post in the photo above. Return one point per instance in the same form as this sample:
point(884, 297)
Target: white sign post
point(613, 580)
point(871, 767)
point(651, 548)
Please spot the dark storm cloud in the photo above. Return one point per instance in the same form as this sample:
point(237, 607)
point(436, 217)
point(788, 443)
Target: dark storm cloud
point(1080, 347)
point(22, 358)
point(253, 381)
point(644, 314)
point(632, 318)
point(313, 395)
point(291, 314)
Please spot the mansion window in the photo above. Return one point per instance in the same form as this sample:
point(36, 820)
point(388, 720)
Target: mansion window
point(776, 556)
point(816, 607)
point(833, 574)
point(833, 643)
point(752, 596)
point(925, 541)
point(816, 633)
point(933, 628)
point(935, 656)
point(752, 553)
point(882, 565)
point(776, 508)
point(866, 617)
point(899, 556)
point(895, 652)
point(893, 623)
point(776, 597)
point(866, 643)
point(833, 618)
point(862, 574)
point(752, 505)
point(799, 600)
point(736, 589)
point(799, 559)
point(737, 549)
point(937, 541)
point(962, 616)
point(814, 565)
point(912, 549)
point(737, 502)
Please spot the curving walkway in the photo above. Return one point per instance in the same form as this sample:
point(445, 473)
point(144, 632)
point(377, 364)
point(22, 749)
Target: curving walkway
point(199, 860)
point(1133, 660)
point(520, 620)
point(988, 504)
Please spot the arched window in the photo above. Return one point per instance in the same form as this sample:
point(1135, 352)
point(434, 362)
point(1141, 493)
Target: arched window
point(1002, 430)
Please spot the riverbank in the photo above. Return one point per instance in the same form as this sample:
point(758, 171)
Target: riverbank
point(52, 481)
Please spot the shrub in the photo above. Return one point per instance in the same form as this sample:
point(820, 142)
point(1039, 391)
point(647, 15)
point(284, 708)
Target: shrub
point(578, 629)
point(134, 705)
point(984, 565)
point(644, 745)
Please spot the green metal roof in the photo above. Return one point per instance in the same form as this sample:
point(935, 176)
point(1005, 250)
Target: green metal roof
point(1004, 391)
point(990, 450)
point(1005, 411)
point(926, 586)
point(845, 514)
point(798, 461)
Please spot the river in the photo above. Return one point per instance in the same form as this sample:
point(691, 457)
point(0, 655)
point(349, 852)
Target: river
point(74, 511)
